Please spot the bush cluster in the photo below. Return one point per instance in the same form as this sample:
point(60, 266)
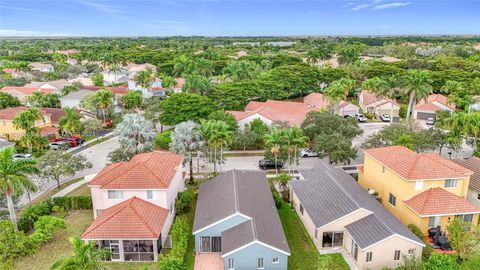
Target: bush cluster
point(175, 259)
point(183, 201)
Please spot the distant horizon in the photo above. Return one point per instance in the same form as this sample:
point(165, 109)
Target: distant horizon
point(211, 18)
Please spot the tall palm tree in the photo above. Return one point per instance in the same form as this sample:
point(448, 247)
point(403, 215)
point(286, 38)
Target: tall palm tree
point(70, 122)
point(312, 56)
point(294, 139)
point(169, 82)
point(203, 67)
point(337, 91)
point(104, 100)
point(14, 178)
point(87, 256)
point(144, 78)
point(472, 126)
point(218, 135)
point(275, 139)
point(392, 91)
point(417, 84)
point(26, 120)
point(182, 66)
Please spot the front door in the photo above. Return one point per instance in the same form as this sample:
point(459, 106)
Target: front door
point(216, 244)
point(205, 244)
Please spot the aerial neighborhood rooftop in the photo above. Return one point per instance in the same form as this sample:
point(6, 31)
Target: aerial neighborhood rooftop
point(127, 150)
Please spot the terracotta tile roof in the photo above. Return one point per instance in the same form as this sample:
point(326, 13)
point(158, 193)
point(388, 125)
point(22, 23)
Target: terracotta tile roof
point(369, 98)
point(286, 111)
point(438, 201)
point(55, 114)
point(9, 113)
point(428, 105)
point(180, 82)
point(116, 90)
point(133, 218)
point(414, 166)
point(144, 171)
point(28, 90)
point(316, 100)
point(45, 131)
point(472, 163)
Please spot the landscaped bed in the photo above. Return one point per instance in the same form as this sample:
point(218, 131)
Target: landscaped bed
point(304, 254)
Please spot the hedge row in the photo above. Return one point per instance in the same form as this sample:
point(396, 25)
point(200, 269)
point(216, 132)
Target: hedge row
point(32, 213)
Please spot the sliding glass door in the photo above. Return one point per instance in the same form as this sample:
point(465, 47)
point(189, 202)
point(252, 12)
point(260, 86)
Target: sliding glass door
point(332, 239)
point(210, 244)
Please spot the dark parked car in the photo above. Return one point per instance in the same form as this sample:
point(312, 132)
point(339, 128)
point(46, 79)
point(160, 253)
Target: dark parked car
point(266, 164)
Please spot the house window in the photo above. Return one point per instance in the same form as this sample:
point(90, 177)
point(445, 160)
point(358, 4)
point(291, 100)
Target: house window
point(392, 199)
point(418, 185)
point(260, 263)
point(411, 252)
point(478, 196)
point(115, 194)
point(466, 218)
point(99, 211)
point(369, 256)
point(231, 264)
point(150, 194)
point(396, 256)
point(301, 209)
point(451, 183)
point(332, 239)
point(383, 169)
point(316, 233)
point(171, 208)
point(433, 222)
point(275, 260)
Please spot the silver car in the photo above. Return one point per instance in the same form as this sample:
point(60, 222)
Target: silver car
point(21, 156)
point(58, 146)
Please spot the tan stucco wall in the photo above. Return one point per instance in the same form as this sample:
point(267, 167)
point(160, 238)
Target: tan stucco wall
point(8, 129)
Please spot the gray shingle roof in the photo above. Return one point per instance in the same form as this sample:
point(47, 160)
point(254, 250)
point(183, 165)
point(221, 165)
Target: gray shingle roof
point(6, 144)
point(329, 193)
point(472, 163)
point(245, 192)
point(77, 94)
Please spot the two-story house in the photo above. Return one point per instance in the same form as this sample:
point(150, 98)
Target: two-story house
point(47, 123)
point(427, 190)
point(134, 205)
point(472, 163)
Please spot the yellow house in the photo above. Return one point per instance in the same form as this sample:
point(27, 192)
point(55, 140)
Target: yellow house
point(46, 123)
point(424, 189)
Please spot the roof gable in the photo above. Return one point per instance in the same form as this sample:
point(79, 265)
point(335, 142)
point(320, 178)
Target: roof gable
point(472, 163)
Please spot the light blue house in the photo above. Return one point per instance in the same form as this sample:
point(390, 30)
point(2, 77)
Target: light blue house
point(237, 221)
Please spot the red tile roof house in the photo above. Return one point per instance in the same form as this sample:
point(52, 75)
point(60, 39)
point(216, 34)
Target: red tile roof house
point(371, 103)
point(134, 205)
point(428, 108)
point(22, 92)
point(294, 113)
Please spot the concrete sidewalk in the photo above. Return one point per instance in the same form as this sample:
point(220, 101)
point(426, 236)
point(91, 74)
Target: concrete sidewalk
point(74, 186)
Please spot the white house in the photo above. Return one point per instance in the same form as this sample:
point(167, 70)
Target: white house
point(428, 108)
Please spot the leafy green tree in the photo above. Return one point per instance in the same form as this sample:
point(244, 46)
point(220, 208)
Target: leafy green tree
point(226, 117)
point(338, 91)
point(97, 79)
point(104, 100)
point(14, 244)
point(417, 84)
point(54, 165)
point(275, 140)
point(458, 93)
point(169, 82)
point(70, 122)
point(7, 100)
point(185, 106)
point(14, 178)
point(38, 99)
point(438, 261)
point(67, 89)
point(241, 70)
point(348, 54)
point(135, 133)
point(405, 140)
point(26, 120)
point(464, 238)
point(186, 139)
point(145, 78)
point(93, 125)
point(87, 256)
point(163, 140)
point(132, 100)
point(336, 147)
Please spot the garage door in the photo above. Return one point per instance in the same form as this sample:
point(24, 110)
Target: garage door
point(425, 116)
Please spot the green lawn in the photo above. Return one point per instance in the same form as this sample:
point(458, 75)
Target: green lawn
point(304, 254)
point(82, 190)
point(77, 221)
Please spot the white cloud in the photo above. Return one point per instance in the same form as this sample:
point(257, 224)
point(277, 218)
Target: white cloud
point(101, 7)
point(27, 33)
point(391, 5)
point(360, 7)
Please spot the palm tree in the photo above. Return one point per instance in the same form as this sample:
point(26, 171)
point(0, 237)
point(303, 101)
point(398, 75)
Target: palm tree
point(169, 82)
point(145, 78)
point(417, 84)
point(312, 56)
point(87, 256)
point(337, 91)
point(294, 139)
point(472, 126)
point(104, 100)
point(218, 135)
point(26, 120)
point(275, 139)
point(182, 66)
point(393, 90)
point(70, 122)
point(14, 178)
point(203, 67)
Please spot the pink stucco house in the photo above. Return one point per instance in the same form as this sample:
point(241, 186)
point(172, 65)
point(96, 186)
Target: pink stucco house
point(134, 205)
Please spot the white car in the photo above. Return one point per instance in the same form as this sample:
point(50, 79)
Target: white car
point(308, 152)
point(361, 118)
point(385, 118)
point(21, 156)
point(430, 121)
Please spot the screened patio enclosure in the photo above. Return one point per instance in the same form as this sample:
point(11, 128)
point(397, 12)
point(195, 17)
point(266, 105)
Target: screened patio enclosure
point(128, 250)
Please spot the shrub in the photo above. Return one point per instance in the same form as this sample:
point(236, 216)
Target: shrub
point(438, 261)
point(73, 202)
point(183, 201)
point(427, 250)
point(45, 227)
point(403, 111)
point(369, 115)
point(163, 140)
point(278, 200)
point(32, 213)
point(175, 259)
point(13, 244)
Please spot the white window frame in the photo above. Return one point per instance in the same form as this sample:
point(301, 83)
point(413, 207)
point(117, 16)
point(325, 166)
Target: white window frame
point(151, 194)
point(231, 264)
point(275, 260)
point(435, 220)
point(453, 183)
point(390, 195)
point(116, 192)
point(369, 256)
point(418, 185)
point(260, 263)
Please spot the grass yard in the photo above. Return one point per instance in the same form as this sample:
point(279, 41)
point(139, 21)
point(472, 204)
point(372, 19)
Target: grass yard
point(304, 253)
point(52, 192)
point(82, 190)
point(77, 221)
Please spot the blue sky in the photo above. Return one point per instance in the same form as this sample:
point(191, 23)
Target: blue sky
point(239, 18)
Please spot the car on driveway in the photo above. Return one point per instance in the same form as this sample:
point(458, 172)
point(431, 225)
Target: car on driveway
point(58, 145)
point(21, 156)
point(385, 118)
point(430, 121)
point(266, 164)
point(308, 152)
point(73, 141)
point(361, 118)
